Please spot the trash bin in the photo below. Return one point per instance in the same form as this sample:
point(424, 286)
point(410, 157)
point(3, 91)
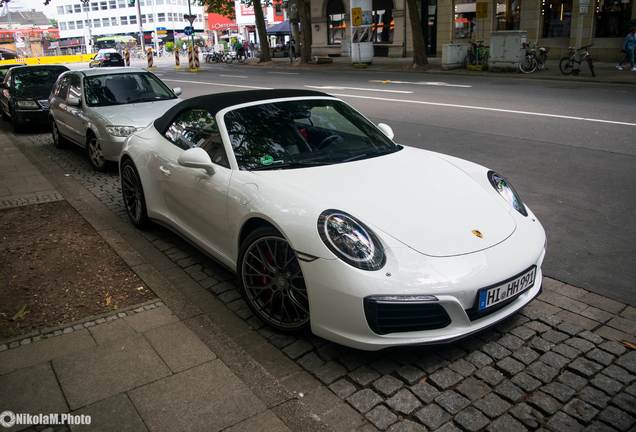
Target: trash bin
point(506, 49)
point(453, 55)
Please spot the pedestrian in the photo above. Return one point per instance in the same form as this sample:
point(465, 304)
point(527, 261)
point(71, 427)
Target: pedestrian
point(629, 47)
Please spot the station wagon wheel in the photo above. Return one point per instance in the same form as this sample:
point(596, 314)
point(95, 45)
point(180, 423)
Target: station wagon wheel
point(95, 154)
point(272, 281)
point(58, 140)
point(133, 195)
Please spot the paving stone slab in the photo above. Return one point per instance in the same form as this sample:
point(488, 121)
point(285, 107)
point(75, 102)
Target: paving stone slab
point(489, 375)
point(364, 400)
point(561, 422)
point(387, 385)
point(426, 392)
point(510, 366)
point(619, 374)
point(526, 382)
point(407, 426)
point(509, 391)
point(432, 416)
point(542, 371)
point(628, 361)
point(178, 346)
point(363, 376)
point(506, 423)
point(264, 422)
point(555, 360)
point(527, 415)
point(144, 321)
point(208, 397)
point(580, 410)
point(573, 380)
point(471, 419)
point(44, 350)
point(593, 396)
point(115, 414)
point(585, 367)
point(473, 388)
point(625, 402)
point(342, 388)
point(32, 390)
point(526, 355)
point(404, 402)
point(608, 385)
point(492, 405)
point(381, 417)
point(106, 370)
point(617, 418)
point(544, 402)
point(112, 330)
point(451, 401)
point(462, 367)
point(445, 378)
point(559, 391)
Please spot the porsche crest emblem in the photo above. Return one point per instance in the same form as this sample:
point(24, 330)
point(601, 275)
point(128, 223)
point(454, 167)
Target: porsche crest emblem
point(477, 233)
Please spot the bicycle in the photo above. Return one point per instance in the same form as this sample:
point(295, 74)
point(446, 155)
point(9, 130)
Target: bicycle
point(477, 54)
point(534, 59)
point(578, 56)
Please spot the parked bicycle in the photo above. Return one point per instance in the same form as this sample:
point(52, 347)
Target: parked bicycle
point(534, 58)
point(477, 54)
point(571, 64)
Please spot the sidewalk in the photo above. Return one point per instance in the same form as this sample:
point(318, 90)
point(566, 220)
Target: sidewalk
point(141, 369)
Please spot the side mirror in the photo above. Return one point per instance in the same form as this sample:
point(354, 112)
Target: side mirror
point(196, 157)
point(386, 130)
point(73, 101)
point(177, 91)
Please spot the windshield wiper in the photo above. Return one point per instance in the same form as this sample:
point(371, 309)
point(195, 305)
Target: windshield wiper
point(290, 165)
point(370, 155)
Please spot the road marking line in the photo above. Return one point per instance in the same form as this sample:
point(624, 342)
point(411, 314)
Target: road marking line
point(427, 83)
point(359, 89)
point(233, 76)
point(480, 108)
point(219, 84)
point(284, 73)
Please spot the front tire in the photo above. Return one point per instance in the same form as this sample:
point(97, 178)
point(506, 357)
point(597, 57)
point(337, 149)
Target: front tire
point(272, 282)
point(528, 64)
point(95, 154)
point(133, 195)
point(58, 140)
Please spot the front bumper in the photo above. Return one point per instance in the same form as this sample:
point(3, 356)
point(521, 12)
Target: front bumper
point(337, 291)
point(32, 117)
point(112, 146)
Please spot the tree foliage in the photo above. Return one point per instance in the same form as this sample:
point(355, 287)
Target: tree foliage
point(221, 7)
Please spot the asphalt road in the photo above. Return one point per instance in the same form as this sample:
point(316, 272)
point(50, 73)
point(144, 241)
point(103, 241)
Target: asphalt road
point(569, 148)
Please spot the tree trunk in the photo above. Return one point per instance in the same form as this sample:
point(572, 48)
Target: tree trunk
point(292, 14)
point(419, 44)
point(304, 12)
point(262, 31)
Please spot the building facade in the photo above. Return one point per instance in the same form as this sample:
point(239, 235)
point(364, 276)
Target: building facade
point(556, 24)
point(119, 17)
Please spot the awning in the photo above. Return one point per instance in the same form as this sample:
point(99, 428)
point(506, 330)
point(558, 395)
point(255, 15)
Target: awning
point(280, 28)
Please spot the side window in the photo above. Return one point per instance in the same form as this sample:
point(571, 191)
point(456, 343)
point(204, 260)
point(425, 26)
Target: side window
point(61, 89)
point(75, 87)
point(198, 128)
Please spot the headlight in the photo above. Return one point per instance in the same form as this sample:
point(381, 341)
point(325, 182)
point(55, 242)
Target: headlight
point(120, 131)
point(27, 104)
point(351, 240)
point(506, 190)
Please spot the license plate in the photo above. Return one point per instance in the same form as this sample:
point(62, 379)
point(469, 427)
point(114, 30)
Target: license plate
point(491, 296)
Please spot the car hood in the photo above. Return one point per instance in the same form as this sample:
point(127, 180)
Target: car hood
point(135, 114)
point(414, 196)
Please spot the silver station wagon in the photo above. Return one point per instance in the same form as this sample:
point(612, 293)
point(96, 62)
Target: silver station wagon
point(98, 109)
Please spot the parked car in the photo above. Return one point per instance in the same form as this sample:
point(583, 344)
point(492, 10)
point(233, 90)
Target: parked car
point(24, 98)
point(4, 68)
point(98, 108)
point(109, 59)
point(330, 224)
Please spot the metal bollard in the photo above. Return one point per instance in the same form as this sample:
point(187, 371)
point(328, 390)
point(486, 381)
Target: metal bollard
point(150, 59)
point(126, 57)
point(176, 58)
point(197, 63)
point(190, 58)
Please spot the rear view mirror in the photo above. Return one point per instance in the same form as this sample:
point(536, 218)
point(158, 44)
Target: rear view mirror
point(196, 157)
point(386, 130)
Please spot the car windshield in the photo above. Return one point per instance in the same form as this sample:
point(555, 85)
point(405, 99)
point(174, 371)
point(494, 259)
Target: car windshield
point(35, 82)
point(126, 88)
point(296, 134)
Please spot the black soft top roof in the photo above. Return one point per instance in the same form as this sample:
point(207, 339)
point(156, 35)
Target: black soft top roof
point(218, 101)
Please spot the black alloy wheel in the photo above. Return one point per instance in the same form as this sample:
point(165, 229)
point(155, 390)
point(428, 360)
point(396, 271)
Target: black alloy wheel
point(272, 281)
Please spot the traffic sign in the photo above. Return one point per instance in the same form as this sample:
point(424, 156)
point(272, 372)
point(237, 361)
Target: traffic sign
point(188, 30)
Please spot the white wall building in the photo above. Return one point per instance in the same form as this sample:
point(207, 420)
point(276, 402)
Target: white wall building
point(116, 17)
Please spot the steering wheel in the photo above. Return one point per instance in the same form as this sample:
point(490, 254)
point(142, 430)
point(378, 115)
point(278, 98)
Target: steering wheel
point(328, 140)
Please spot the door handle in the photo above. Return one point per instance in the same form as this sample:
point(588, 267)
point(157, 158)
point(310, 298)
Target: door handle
point(165, 170)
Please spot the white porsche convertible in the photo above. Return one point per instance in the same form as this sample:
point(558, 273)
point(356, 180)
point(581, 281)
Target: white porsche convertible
point(331, 225)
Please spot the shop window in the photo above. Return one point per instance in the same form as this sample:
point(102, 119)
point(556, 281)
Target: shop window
point(383, 23)
point(557, 17)
point(612, 18)
point(335, 22)
point(465, 18)
point(508, 14)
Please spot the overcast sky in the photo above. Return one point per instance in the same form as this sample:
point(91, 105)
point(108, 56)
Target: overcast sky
point(32, 4)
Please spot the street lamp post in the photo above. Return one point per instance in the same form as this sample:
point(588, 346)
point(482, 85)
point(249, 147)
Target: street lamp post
point(141, 26)
point(89, 39)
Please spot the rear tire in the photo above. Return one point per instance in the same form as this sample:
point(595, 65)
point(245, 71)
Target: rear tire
point(133, 195)
point(566, 66)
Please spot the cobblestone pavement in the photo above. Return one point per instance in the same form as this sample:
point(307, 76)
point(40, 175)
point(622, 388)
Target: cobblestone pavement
point(557, 365)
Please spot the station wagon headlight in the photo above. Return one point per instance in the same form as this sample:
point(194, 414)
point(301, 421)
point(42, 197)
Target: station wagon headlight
point(505, 189)
point(27, 104)
point(120, 131)
point(351, 240)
